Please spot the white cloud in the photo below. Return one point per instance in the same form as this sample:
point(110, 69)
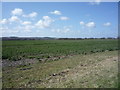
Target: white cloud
point(8, 30)
point(17, 29)
point(82, 23)
point(25, 28)
point(3, 29)
point(26, 23)
point(90, 24)
point(64, 18)
point(44, 22)
point(56, 30)
point(56, 12)
point(95, 2)
point(14, 19)
point(60, 30)
point(33, 14)
point(107, 24)
point(65, 29)
point(28, 28)
point(17, 11)
point(4, 21)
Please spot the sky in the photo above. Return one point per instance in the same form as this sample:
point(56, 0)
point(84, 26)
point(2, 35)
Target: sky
point(60, 19)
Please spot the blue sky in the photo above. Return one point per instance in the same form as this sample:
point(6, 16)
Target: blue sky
point(60, 19)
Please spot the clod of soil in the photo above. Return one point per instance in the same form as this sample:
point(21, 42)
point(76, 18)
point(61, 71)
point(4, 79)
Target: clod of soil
point(26, 68)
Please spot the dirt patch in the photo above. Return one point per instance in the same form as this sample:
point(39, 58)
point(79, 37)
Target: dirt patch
point(7, 63)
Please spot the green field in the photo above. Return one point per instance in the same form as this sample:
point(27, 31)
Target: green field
point(79, 64)
point(39, 49)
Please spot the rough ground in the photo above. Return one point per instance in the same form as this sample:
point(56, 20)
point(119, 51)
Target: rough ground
point(81, 71)
point(98, 70)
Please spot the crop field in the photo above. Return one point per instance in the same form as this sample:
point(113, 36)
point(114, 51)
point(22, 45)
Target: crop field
point(61, 63)
point(39, 49)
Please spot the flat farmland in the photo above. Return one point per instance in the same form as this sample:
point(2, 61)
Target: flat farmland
point(39, 49)
point(61, 63)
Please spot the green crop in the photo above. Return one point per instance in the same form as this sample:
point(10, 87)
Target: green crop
point(39, 49)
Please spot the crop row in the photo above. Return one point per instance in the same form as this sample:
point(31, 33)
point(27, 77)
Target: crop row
point(39, 49)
